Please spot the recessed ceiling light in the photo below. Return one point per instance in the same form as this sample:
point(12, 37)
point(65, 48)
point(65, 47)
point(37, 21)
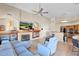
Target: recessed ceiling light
point(64, 21)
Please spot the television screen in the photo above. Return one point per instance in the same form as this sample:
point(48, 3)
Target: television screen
point(26, 25)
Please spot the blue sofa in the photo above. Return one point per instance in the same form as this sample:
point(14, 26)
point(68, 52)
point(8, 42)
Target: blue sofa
point(13, 47)
point(21, 48)
point(6, 49)
point(22, 51)
point(17, 43)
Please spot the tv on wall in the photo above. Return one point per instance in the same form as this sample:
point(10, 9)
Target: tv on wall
point(26, 25)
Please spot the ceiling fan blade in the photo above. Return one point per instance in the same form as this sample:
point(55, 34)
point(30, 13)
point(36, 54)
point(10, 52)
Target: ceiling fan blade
point(45, 12)
point(41, 10)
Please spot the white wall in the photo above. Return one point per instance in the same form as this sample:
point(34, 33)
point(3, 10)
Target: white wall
point(15, 14)
point(3, 22)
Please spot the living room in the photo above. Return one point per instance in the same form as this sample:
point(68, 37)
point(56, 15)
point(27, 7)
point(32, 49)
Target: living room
point(23, 22)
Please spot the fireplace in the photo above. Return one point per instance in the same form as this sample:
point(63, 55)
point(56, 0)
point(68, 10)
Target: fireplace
point(25, 37)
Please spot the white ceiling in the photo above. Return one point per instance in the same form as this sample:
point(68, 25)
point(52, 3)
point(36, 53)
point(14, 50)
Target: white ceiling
point(54, 9)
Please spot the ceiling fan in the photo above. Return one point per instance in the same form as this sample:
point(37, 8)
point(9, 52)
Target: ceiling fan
point(40, 11)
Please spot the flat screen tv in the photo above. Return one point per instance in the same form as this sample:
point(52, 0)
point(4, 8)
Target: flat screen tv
point(25, 25)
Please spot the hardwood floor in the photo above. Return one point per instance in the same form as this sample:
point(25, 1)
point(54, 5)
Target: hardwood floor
point(63, 49)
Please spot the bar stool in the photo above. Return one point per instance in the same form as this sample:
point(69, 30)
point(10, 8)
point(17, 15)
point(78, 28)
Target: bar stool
point(75, 43)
